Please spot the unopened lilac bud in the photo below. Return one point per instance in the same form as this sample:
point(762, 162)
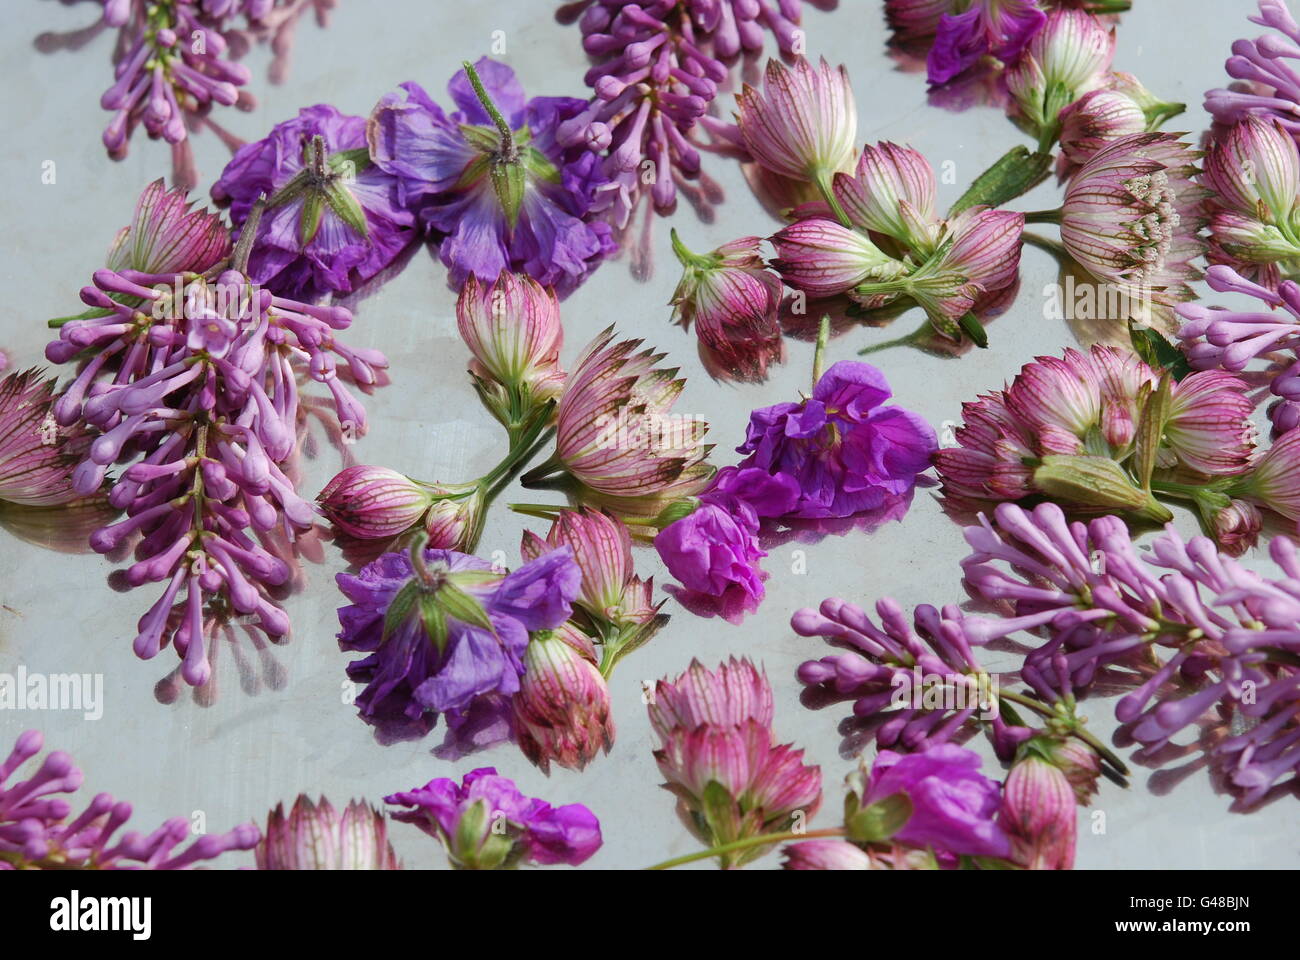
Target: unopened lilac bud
point(372, 503)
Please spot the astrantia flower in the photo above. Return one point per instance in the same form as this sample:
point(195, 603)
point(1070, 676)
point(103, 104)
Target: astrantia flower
point(1254, 173)
point(1065, 59)
point(997, 27)
point(562, 709)
point(954, 806)
point(446, 629)
point(1119, 109)
point(374, 502)
point(713, 551)
point(1132, 214)
point(37, 456)
point(846, 451)
point(802, 124)
point(824, 258)
point(1082, 411)
point(892, 191)
point(616, 435)
point(513, 331)
point(167, 237)
point(334, 219)
point(38, 830)
point(1274, 479)
point(720, 758)
point(1039, 813)
point(315, 836)
point(485, 823)
point(493, 180)
point(1268, 86)
point(734, 302)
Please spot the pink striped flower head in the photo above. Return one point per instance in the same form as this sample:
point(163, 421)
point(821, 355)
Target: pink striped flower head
point(616, 435)
point(1119, 109)
point(802, 124)
point(1068, 57)
point(824, 258)
point(719, 756)
point(315, 836)
point(1039, 813)
point(562, 709)
point(167, 235)
point(1132, 215)
point(372, 503)
point(37, 455)
point(892, 191)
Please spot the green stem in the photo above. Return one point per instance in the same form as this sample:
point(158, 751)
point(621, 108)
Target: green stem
point(247, 234)
point(1054, 247)
point(746, 843)
point(1081, 732)
point(1043, 216)
point(686, 256)
point(509, 152)
point(819, 354)
point(824, 186)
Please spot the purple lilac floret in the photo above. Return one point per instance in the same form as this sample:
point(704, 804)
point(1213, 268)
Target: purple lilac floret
point(1219, 337)
point(486, 823)
point(334, 219)
point(1266, 85)
point(658, 65)
point(443, 163)
point(38, 830)
point(846, 450)
point(468, 672)
point(189, 376)
point(1211, 637)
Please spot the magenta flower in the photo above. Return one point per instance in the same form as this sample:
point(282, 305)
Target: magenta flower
point(713, 551)
point(719, 756)
point(954, 806)
point(315, 836)
point(334, 219)
point(734, 302)
point(167, 237)
point(562, 709)
point(485, 823)
point(37, 456)
point(997, 27)
point(1039, 814)
point(844, 448)
point(616, 436)
point(444, 633)
point(492, 180)
point(39, 832)
point(1132, 214)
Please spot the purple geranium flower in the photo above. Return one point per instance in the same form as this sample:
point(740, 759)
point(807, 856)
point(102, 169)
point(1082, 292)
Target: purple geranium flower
point(954, 806)
point(714, 551)
point(469, 819)
point(492, 179)
point(334, 218)
point(415, 668)
point(844, 450)
point(999, 27)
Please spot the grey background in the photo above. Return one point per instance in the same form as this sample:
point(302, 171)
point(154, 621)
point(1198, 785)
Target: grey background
point(236, 749)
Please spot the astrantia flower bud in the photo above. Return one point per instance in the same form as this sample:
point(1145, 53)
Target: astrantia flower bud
point(803, 123)
point(1066, 59)
point(1254, 172)
point(453, 522)
point(825, 855)
point(374, 502)
point(1132, 213)
point(512, 327)
point(315, 837)
point(1097, 118)
point(892, 192)
point(1236, 527)
point(733, 300)
point(825, 258)
point(1275, 480)
point(485, 823)
point(1079, 762)
point(562, 709)
point(1039, 814)
point(37, 456)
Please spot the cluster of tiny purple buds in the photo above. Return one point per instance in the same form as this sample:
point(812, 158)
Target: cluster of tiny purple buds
point(659, 64)
point(36, 832)
point(196, 384)
point(1231, 634)
point(1272, 86)
point(883, 660)
point(1216, 337)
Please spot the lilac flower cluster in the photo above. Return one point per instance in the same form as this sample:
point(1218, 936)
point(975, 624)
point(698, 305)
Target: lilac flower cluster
point(485, 823)
point(189, 373)
point(1266, 86)
point(658, 67)
point(175, 61)
point(39, 832)
point(1223, 638)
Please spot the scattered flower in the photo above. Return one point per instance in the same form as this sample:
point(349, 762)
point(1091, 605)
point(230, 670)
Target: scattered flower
point(315, 836)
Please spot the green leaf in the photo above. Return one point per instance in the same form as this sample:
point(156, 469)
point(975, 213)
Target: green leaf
point(974, 329)
point(463, 606)
point(348, 163)
point(345, 206)
point(400, 608)
point(509, 180)
point(313, 206)
point(1158, 352)
point(881, 820)
point(434, 619)
point(1015, 173)
point(1151, 430)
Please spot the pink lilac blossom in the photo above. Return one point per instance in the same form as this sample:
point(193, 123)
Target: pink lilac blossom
point(38, 830)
